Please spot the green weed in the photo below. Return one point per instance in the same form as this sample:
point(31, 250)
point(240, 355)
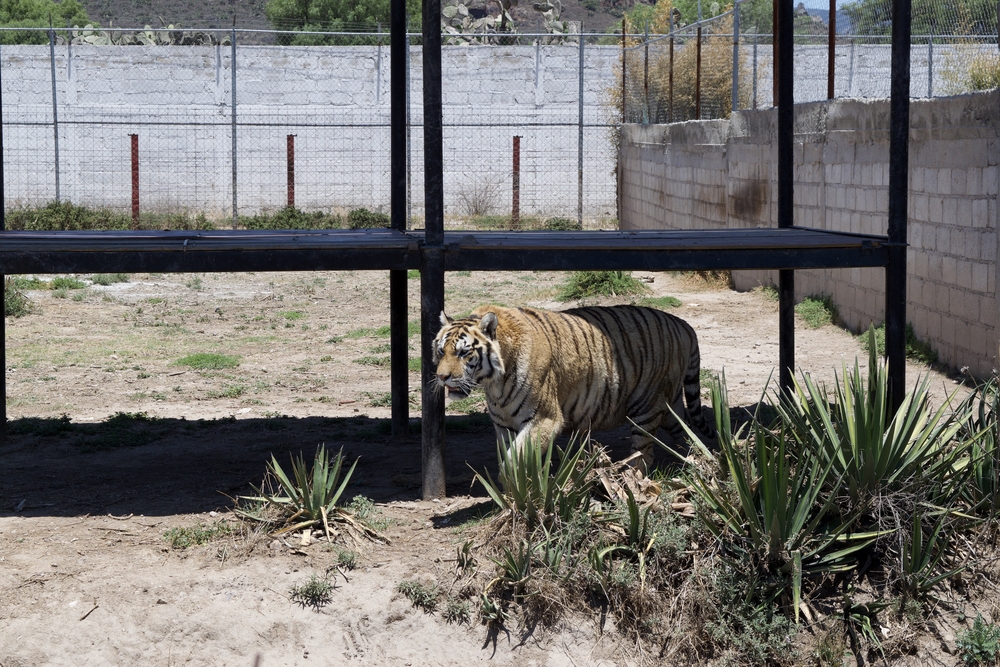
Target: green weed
point(184, 537)
point(293, 315)
point(980, 645)
point(292, 218)
point(208, 361)
point(422, 596)
point(66, 282)
point(110, 279)
point(15, 303)
point(817, 310)
point(315, 593)
point(916, 350)
point(661, 302)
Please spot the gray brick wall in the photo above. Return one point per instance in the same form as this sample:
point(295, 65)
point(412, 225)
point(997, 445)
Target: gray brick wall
point(722, 174)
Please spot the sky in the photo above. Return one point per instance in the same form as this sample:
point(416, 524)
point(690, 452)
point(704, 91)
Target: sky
point(817, 4)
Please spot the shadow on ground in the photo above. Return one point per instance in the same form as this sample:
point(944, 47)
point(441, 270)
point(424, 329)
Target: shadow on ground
point(136, 464)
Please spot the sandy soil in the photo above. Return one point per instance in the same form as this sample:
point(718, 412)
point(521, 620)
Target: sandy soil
point(86, 575)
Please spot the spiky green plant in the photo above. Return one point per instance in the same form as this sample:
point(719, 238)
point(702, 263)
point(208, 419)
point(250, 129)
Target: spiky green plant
point(980, 411)
point(772, 506)
point(871, 449)
point(529, 488)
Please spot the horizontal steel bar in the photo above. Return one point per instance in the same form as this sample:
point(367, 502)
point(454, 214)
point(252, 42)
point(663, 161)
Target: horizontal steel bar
point(329, 250)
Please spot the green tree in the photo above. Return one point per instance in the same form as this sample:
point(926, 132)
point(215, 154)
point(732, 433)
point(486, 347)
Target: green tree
point(955, 17)
point(37, 14)
point(334, 16)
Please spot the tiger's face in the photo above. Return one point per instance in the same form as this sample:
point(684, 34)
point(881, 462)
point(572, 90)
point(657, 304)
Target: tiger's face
point(466, 352)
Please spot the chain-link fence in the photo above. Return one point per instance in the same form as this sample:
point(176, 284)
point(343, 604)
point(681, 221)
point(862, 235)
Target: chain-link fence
point(221, 127)
point(675, 71)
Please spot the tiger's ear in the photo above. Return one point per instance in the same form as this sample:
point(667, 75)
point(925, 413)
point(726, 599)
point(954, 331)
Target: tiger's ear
point(488, 325)
point(445, 320)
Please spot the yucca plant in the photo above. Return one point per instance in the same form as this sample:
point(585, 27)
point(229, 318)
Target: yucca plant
point(529, 488)
point(311, 496)
point(869, 448)
point(772, 505)
point(979, 413)
point(922, 554)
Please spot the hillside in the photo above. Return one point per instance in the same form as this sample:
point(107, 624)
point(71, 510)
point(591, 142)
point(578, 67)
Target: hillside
point(249, 14)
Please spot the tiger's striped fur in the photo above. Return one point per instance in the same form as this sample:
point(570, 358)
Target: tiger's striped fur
point(546, 372)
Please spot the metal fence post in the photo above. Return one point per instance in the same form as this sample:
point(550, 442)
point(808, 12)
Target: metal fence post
point(398, 316)
point(930, 65)
point(232, 76)
point(378, 65)
point(515, 205)
point(579, 140)
point(135, 180)
point(850, 70)
point(831, 59)
point(645, 78)
point(55, 105)
point(290, 168)
point(736, 57)
point(697, 75)
point(755, 69)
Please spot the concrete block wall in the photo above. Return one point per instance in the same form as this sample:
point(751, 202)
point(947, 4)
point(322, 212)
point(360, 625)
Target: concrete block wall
point(841, 184)
point(336, 100)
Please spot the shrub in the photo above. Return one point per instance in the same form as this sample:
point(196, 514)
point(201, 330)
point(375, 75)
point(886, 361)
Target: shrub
point(362, 218)
point(979, 645)
point(916, 349)
point(292, 218)
point(817, 310)
point(15, 303)
point(109, 278)
point(583, 284)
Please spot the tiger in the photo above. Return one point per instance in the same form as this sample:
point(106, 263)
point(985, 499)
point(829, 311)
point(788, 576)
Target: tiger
point(547, 372)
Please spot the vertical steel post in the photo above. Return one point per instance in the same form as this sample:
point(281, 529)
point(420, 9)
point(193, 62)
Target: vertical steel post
point(831, 56)
point(432, 258)
point(736, 57)
point(786, 176)
point(850, 70)
point(755, 69)
point(135, 180)
point(697, 76)
point(899, 136)
point(409, 126)
point(3, 280)
point(399, 379)
point(515, 187)
point(232, 76)
point(55, 105)
point(579, 140)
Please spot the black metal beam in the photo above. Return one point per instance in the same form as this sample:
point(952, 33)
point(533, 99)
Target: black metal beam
point(515, 259)
point(3, 280)
point(786, 179)
point(432, 268)
point(398, 325)
point(899, 135)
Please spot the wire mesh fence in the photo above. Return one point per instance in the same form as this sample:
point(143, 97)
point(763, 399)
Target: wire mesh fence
point(676, 71)
point(226, 128)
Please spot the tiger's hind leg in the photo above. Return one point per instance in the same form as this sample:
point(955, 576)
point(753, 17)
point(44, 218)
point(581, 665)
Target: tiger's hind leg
point(644, 427)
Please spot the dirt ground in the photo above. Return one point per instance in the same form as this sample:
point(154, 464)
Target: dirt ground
point(86, 575)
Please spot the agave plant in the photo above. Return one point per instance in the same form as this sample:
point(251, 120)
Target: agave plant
point(867, 446)
point(528, 488)
point(980, 411)
point(772, 504)
point(311, 496)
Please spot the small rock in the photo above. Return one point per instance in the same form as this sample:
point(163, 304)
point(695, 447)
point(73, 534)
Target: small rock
point(160, 601)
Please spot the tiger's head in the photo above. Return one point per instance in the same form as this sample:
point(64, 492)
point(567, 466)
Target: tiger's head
point(466, 352)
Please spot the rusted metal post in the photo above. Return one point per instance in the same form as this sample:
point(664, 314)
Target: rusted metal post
point(697, 77)
point(135, 180)
point(831, 50)
point(670, 84)
point(515, 207)
point(290, 150)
